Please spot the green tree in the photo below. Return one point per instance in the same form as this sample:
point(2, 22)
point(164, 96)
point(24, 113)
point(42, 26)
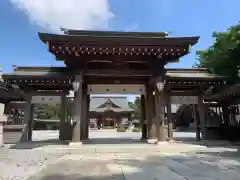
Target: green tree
point(136, 106)
point(223, 57)
point(44, 111)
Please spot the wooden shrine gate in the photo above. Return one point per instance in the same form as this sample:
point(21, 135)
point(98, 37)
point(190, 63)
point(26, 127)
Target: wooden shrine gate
point(99, 58)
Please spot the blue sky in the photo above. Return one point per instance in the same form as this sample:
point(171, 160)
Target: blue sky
point(21, 19)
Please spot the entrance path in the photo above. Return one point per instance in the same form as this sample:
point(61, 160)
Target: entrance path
point(121, 160)
point(175, 161)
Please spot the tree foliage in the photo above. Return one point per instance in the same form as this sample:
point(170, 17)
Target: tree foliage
point(136, 106)
point(223, 57)
point(44, 111)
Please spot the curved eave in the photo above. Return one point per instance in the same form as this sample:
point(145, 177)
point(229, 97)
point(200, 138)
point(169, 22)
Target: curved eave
point(106, 111)
point(124, 40)
point(36, 75)
point(210, 78)
point(193, 74)
point(28, 77)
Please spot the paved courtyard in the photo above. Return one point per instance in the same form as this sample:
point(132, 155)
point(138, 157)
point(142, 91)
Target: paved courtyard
point(108, 134)
point(121, 161)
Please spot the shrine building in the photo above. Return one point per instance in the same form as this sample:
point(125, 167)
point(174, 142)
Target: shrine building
point(110, 112)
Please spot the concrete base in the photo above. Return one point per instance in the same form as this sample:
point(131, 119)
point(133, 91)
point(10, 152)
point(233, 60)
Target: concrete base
point(162, 142)
point(152, 141)
point(143, 139)
point(75, 144)
point(170, 141)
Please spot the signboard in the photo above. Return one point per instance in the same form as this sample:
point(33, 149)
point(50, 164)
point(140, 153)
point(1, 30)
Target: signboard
point(51, 100)
point(116, 89)
point(184, 100)
point(238, 118)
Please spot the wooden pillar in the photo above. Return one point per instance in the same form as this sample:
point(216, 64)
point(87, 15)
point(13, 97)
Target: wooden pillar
point(27, 118)
point(225, 113)
point(197, 122)
point(201, 115)
point(160, 114)
point(62, 118)
point(169, 115)
point(84, 114)
point(76, 139)
point(151, 126)
point(88, 115)
point(31, 122)
point(143, 118)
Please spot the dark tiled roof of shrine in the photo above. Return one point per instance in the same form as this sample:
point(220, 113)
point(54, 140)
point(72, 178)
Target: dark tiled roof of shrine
point(119, 104)
point(193, 73)
point(33, 72)
point(39, 71)
point(75, 43)
point(146, 38)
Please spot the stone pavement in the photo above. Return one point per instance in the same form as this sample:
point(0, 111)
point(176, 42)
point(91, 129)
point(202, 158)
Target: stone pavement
point(119, 161)
point(140, 166)
point(169, 161)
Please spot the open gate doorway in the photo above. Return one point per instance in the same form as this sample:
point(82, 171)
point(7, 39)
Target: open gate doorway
point(113, 117)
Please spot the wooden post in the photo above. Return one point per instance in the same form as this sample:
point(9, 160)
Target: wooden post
point(225, 113)
point(62, 134)
point(151, 126)
point(197, 122)
point(201, 115)
point(30, 122)
point(169, 115)
point(27, 118)
point(84, 114)
point(143, 118)
point(88, 118)
point(76, 139)
point(159, 106)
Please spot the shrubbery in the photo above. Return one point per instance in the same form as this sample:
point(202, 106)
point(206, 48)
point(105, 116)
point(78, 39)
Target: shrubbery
point(136, 130)
point(121, 129)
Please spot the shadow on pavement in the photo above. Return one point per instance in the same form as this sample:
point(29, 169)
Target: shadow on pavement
point(224, 152)
point(151, 167)
point(114, 141)
point(36, 144)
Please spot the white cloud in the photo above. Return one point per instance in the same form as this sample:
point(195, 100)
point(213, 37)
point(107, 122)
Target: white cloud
point(71, 14)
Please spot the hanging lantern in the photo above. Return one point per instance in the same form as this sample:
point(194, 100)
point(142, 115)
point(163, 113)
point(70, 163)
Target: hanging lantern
point(75, 85)
point(160, 85)
point(238, 71)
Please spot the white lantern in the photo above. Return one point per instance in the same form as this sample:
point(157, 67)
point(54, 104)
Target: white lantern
point(75, 85)
point(160, 85)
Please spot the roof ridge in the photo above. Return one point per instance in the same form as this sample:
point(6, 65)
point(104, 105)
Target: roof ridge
point(109, 97)
point(67, 31)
